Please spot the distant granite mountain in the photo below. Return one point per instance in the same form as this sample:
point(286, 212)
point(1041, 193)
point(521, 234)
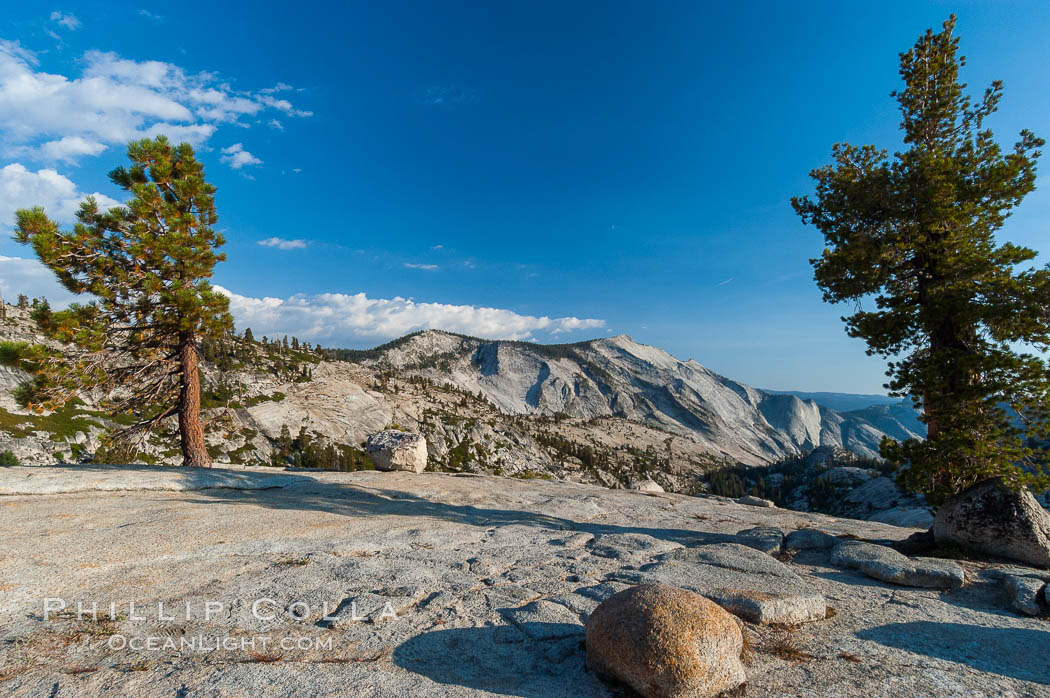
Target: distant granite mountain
point(840, 402)
point(618, 377)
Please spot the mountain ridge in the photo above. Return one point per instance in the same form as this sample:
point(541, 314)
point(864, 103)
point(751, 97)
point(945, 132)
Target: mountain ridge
point(619, 377)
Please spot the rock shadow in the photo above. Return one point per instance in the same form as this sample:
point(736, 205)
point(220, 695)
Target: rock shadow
point(1012, 652)
point(502, 659)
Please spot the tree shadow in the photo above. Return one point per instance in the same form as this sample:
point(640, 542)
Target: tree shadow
point(350, 500)
point(1013, 652)
point(502, 660)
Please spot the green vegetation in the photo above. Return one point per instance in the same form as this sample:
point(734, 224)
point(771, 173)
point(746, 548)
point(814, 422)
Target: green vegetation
point(625, 463)
point(307, 451)
point(779, 480)
point(147, 263)
point(7, 459)
point(12, 353)
point(62, 424)
point(955, 309)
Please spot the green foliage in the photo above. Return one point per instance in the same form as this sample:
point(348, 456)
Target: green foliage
point(7, 459)
point(307, 451)
point(11, 353)
point(916, 231)
point(62, 424)
point(779, 480)
point(147, 263)
point(462, 457)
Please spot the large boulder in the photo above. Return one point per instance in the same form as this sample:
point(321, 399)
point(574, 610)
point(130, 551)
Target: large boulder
point(398, 450)
point(994, 519)
point(663, 641)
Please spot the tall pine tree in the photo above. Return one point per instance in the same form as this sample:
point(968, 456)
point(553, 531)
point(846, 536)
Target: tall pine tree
point(147, 264)
point(954, 308)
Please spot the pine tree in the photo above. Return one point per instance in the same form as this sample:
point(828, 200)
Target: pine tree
point(953, 306)
point(248, 336)
point(147, 263)
point(23, 301)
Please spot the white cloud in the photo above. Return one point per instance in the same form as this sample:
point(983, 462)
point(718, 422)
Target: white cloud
point(69, 148)
point(113, 101)
point(237, 157)
point(342, 319)
point(279, 87)
point(23, 188)
point(69, 21)
point(425, 267)
point(274, 123)
point(29, 276)
point(282, 105)
point(151, 16)
point(282, 244)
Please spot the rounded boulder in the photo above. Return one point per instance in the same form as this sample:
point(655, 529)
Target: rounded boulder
point(665, 642)
point(398, 450)
point(995, 519)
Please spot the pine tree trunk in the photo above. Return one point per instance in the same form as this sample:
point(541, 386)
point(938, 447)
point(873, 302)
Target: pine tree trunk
point(191, 431)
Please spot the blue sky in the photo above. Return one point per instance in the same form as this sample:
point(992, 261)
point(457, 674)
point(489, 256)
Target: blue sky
point(555, 171)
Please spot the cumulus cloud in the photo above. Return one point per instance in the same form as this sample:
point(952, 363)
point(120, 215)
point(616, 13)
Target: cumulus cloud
point(115, 100)
point(67, 20)
point(425, 267)
point(344, 319)
point(69, 149)
point(282, 244)
point(23, 188)
point(237, 157)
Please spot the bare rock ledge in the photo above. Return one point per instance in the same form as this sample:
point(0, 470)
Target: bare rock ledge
point(406, 584)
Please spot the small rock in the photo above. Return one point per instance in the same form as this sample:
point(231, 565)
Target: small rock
point(545, 620)
point(646, 486)
point(809, 539)
point(601, 592)
point(768, 539)
point(994, 519)
point(630, 547)
point(398, 450)
point(765, 608)
point(1024, 593)
point(886, 564)
point(754, 501)
point(573, 541)
point(664, 641)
